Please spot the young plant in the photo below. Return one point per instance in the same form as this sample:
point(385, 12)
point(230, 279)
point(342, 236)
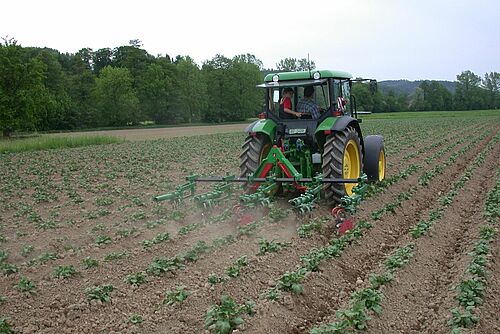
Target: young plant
point(89, 262)
point(25, 285)
point(101, 293)
point(103, 240)
point(135, 319)
point(137, 278)
point(5, 327)
point(270, 246)
point(224, 318)
point(176, 296)
point(291, 281)
point(65, 272)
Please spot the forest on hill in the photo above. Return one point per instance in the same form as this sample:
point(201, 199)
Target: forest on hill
point(42, 89)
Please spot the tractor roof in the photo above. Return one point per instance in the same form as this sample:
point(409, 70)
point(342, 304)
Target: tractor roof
point(306, 75)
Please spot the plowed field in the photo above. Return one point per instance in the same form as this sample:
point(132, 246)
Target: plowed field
point(84, 249)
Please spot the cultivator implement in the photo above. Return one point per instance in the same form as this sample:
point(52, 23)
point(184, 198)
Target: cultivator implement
point(274, 173)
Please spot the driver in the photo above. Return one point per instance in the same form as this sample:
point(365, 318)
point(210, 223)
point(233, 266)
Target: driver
point(307, 105)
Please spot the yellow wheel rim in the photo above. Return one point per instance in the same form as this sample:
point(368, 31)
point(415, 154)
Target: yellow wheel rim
point(351, 167)
point(381, 165)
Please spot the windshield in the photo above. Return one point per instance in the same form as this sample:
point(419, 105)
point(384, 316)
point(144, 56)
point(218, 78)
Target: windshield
point(320, 97)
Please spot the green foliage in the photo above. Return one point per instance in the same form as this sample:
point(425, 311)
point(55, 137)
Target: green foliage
point(65, 272)
point(25, 285)
point(5, 327)
point(465, 319)
point(53, 142)
point(89, 262)
point(135, 319)
point(370, 297)
point(314, 258)
point(177, 296)
point(162, 265)
point(101, 292)
point(161, 237)
point(292, 281)
point(115, 97)
point(137, 278)
point(315, 225)
point(115, 256)
point(103, 240)
point(214, 279)
point(188, 228)
point(400, 257)
point(272, 246)
point(234, 270)
point(225, 317)
point(27, 250)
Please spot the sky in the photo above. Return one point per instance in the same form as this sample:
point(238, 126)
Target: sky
point(381, 39)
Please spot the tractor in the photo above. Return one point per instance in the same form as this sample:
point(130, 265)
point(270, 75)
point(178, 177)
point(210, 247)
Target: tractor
point(320, 158)
point(331, 145)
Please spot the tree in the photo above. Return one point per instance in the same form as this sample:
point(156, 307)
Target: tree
point(364, 98)
point(294, 64)
point(221, 90)
point(100, 59)
point(491, 84)
point(191, 91)
point(22, 90)
point(156, 91)
point(436, 96)
point(468, 95)
point(115, 99)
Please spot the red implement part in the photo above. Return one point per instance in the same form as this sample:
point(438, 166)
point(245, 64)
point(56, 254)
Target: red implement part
point(345, 225)
point(342, 223)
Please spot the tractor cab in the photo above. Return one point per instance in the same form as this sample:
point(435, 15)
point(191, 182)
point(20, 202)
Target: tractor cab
point(331, 92)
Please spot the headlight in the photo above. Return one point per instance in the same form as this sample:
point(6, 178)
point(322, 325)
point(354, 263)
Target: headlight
point(316, 75)
point(276, 78)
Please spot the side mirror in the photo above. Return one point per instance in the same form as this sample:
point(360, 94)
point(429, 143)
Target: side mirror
point(276, 96)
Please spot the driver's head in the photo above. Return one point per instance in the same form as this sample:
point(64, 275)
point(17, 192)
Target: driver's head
point(308, 91)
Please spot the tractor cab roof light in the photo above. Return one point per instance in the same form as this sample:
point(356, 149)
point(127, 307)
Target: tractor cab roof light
point(276, 78)
point(316, 75)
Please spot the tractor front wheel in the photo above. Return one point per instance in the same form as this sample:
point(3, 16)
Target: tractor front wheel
point(254, 150)
point(342, 159)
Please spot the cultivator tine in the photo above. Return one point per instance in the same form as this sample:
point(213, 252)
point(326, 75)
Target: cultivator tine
point(261, 196)
point(219, 193)
point(305, 202)
point(350, 203)
point(181, 191)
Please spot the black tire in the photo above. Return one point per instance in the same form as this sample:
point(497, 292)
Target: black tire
point(333, 160)
point(374, 157)
point(254, 150)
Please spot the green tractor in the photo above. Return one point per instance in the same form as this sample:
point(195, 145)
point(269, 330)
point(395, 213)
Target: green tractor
point(330, 145)
point(320, 156)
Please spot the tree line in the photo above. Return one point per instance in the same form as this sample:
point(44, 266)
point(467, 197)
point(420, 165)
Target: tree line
point(471, 93)
point(43, 89)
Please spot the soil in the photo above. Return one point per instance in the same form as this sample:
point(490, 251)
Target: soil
point(116, 184)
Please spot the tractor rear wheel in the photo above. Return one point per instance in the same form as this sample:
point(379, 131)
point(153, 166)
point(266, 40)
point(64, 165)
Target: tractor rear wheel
point(343, 159)
point(374, 159)
point(254, 150)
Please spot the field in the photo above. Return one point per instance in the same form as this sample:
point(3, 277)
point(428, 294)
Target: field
point(84, 249)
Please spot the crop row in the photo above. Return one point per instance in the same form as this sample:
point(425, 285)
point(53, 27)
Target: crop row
point(355, 317)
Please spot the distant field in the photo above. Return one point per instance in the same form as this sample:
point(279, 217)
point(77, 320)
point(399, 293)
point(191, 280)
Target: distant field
point(157, 133)
point(425, 114)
